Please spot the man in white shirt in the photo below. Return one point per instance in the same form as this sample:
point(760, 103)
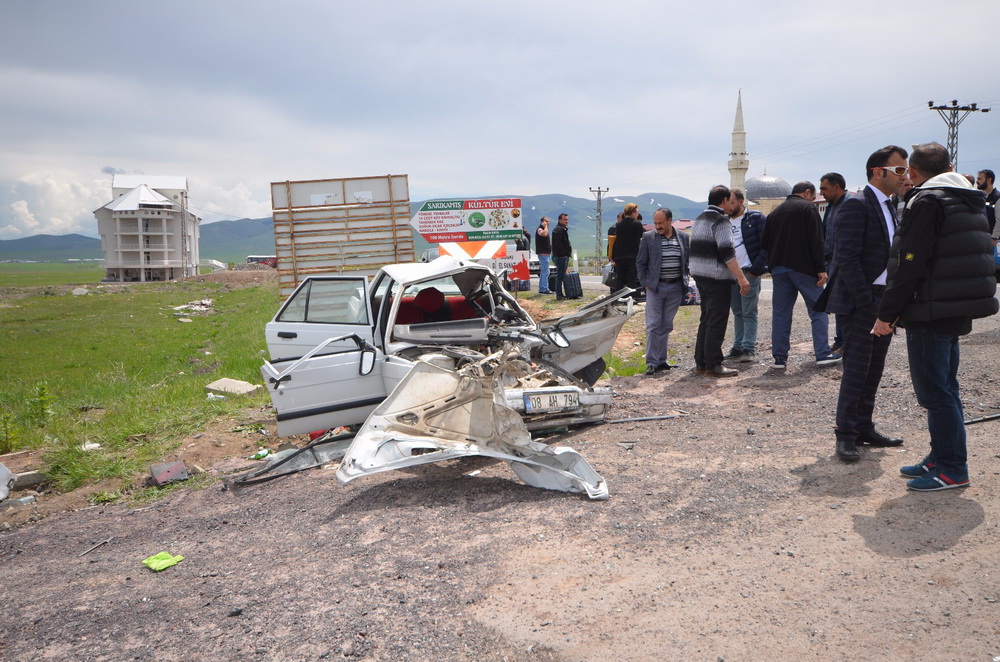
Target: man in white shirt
point(748, 225)
point(865, 227)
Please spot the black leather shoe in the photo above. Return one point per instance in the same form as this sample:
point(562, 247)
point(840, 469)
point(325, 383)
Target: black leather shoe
point(650, 370)
point(719, 370)
point(875, 438)
point(848, 451)
point(663, 366)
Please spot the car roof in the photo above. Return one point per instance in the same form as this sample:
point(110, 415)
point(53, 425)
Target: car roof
point(446, 265)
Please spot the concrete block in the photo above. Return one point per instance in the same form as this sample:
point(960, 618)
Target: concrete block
point(28, 479)
point(226, 386)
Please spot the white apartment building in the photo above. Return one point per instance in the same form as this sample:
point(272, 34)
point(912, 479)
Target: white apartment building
point(147, 232)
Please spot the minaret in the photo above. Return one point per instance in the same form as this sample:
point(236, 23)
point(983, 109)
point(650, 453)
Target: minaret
point(738, 164)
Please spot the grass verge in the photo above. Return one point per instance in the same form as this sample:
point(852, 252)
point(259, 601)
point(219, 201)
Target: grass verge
point(118, 369)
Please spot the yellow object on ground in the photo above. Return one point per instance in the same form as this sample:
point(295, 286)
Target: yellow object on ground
point(161, 561)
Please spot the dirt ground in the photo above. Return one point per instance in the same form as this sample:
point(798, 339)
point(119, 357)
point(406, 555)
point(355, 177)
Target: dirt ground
point(732, 533)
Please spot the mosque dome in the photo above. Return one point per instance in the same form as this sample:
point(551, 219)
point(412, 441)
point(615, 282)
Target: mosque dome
point(767, 186)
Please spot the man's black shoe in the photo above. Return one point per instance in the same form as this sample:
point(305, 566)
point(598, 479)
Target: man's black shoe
point(664, 366)
point(848, 451)
point(650, 370)
point(837, 346)
point(876, 438)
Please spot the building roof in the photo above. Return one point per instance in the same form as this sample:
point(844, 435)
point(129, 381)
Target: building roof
point(140, 196)
point(152, 181)
point(767, 186)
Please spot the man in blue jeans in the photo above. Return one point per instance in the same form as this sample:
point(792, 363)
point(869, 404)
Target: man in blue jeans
point(941, 277)
point(543, 248)
point(793, 239)
point(747, 228)
point(562, 250)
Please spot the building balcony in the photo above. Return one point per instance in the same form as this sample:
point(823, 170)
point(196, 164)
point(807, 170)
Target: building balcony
point(146, 247)
point(142, 264)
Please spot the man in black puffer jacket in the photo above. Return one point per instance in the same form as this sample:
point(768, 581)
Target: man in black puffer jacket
point(941, 277)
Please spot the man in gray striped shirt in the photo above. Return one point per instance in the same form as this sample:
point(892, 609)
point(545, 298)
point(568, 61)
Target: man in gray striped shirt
point(661, 266)
point(714, 266)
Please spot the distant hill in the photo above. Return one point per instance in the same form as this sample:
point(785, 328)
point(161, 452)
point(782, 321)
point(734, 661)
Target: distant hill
point(232, 241)
point(51, 248)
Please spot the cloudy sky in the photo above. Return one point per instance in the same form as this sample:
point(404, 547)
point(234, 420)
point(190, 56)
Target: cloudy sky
point(469, 98)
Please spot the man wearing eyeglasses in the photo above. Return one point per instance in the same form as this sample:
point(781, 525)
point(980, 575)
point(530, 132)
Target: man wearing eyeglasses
point(865, 227)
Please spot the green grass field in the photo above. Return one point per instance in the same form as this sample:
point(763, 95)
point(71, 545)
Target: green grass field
point(117, 368)
point(30, 274)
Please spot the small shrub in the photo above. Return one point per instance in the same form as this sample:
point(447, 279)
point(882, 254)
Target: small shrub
point(40, 407)
point(8, 433)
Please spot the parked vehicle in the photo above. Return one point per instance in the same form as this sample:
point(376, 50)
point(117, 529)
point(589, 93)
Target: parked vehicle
point(534, 266)
point(269, 260)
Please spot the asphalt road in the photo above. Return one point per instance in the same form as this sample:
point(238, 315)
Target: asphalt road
point(593, 284)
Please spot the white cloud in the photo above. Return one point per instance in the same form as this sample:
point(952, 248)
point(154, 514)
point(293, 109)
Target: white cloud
point(528, 97)
point(52, 202)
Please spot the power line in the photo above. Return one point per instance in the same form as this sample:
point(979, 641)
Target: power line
point(217, 213)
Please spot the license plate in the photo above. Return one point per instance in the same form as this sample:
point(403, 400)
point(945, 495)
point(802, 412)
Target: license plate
point(551, 401)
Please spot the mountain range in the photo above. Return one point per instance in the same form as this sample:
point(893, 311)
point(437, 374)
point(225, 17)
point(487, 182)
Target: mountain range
point(232, 241)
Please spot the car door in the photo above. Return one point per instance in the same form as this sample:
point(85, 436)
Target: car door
point(325, 370)
point(591, 331)
point(320, 308)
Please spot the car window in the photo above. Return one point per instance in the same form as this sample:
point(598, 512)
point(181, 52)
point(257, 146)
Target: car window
point(446, 286)
point(327, 302)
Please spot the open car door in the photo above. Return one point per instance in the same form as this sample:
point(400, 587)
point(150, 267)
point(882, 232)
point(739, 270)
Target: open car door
point(325, 370)
point(589, 334)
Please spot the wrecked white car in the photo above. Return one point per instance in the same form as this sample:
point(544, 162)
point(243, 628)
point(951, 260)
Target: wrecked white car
point(439, 360)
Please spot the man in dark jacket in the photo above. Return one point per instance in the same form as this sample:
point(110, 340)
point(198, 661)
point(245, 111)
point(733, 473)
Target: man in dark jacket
point(793, 239)
point(833, 187)
point(562, 251)
point(747, 228)
point(662, 265)
point(985, 180)
point(627, 238)
point(865, 227)
point(941, 277)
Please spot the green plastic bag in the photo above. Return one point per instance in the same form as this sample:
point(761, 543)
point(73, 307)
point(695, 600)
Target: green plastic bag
point(161, 561)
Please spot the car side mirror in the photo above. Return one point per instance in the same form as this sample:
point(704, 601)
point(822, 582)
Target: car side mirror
point(557, 337)
point(367, 362)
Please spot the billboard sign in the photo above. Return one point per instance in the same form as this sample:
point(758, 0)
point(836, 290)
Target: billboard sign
point(482, 219)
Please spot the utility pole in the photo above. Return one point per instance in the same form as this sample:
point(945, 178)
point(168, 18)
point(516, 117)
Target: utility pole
point(598, 237)
point(953, 116)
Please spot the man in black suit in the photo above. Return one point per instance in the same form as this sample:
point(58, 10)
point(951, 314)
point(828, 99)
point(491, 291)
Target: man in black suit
point(865, 227)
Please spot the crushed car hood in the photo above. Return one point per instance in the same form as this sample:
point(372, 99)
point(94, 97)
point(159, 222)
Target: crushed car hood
point(436, 414)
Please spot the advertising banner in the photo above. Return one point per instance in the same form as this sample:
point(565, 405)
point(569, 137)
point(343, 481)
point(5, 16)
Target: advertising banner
point(468, 220)
point(516, 265)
